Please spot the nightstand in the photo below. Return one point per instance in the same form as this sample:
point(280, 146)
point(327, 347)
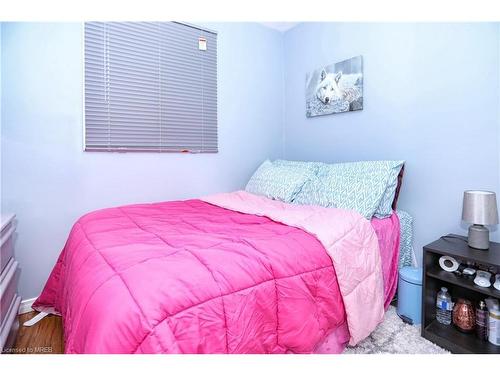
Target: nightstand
point(434, 277)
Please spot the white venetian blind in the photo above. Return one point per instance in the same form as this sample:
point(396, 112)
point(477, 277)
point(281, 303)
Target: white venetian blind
point(149, 87)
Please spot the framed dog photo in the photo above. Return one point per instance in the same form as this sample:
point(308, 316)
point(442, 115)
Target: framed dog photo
point(335, 88)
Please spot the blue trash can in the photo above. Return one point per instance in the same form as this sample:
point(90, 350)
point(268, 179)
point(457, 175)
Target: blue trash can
point(410, 294)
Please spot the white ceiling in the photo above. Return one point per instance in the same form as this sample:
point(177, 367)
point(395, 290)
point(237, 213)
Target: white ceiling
point(280, 26)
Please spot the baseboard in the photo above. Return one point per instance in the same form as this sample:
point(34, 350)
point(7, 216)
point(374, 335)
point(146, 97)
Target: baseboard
point(25, 306)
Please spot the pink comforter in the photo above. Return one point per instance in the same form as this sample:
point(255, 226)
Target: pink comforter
point(193, 277)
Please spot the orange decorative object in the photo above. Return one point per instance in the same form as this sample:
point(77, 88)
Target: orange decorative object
point(464, 316)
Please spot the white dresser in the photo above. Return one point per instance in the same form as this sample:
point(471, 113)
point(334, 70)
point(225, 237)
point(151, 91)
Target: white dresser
point(9, 278)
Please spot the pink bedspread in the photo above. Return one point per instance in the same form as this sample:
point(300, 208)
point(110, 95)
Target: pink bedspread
point(192, 277)
point(388, 234)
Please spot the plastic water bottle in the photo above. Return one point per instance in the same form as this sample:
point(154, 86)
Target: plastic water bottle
point(444, 306)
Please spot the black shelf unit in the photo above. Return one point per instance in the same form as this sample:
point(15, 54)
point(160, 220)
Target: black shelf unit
point(434, 278)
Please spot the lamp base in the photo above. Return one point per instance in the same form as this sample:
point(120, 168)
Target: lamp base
point(479, 237)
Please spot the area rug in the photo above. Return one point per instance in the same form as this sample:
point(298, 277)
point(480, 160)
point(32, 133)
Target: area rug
point(395, 337)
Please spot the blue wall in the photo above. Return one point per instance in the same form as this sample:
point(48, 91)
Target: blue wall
point(431, 95)
point(48, 181)
point(0, 80)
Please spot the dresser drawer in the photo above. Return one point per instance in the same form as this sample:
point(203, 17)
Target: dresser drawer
point(8, 227)
point(9, 328)
point(8, 288)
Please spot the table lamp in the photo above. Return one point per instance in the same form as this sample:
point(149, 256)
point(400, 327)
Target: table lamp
point(480, 209)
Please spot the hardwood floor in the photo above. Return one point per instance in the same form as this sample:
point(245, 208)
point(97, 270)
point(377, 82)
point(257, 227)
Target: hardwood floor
point(45, 337)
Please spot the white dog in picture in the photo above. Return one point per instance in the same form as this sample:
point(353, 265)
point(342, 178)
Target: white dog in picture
point(334, 87)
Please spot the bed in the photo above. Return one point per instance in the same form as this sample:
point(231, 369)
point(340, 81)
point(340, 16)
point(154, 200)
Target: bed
point(229, 273)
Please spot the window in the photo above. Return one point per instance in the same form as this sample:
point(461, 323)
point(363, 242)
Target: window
point(150, 86)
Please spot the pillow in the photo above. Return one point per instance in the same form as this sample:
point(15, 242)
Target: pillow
point(281, 182)
point(361, 186)
point(312, 166)
point(312, 193)
point(385, 207)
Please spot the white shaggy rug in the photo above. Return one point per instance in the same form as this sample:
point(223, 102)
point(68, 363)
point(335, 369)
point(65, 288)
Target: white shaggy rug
point(396, 337)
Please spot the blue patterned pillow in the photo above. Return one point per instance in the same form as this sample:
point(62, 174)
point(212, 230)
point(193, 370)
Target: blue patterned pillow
point(406, 253)
point(385, 207)
point(312, 166)
point(281, 182)
point(359, 186)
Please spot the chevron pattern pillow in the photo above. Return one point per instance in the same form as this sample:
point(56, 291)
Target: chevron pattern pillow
point(280, 182)
point(312, 166)
point(359, 186)
point(406, 254)
point(384, 208)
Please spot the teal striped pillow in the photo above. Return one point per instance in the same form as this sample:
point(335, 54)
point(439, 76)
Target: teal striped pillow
point(366, 187)
point(280, 182)
point(312, 166)
point(384, 208)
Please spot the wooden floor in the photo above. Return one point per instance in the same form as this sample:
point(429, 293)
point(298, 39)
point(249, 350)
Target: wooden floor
point(45, 337)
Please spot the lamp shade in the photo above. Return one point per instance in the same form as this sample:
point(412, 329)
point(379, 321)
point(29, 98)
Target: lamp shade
point(480, 207)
